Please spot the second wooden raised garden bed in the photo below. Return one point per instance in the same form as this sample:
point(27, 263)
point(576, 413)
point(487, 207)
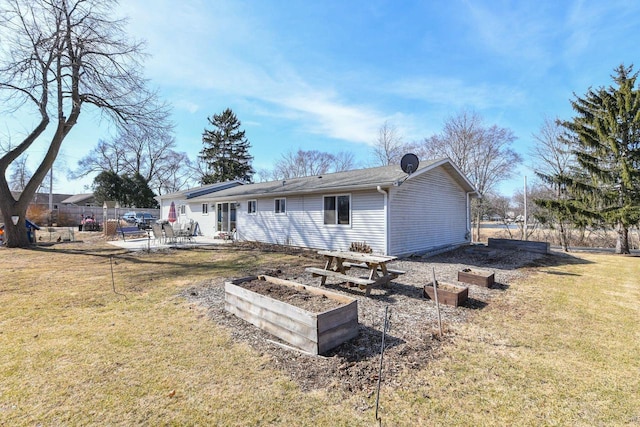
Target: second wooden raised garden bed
point(477, 277)
point(448, 293)
point(315, 333)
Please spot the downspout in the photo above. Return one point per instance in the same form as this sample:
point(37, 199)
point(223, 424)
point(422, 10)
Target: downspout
point(468, 211)
point(386, 219)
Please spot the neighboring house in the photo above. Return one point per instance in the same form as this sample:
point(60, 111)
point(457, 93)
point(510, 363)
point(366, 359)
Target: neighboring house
point(390, 211)
point(70, 210)
point(43, 199)
point(87, 200)
point(39, 211)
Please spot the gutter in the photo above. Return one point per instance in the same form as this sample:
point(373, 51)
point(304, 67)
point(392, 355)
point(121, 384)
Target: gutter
point(386, 218)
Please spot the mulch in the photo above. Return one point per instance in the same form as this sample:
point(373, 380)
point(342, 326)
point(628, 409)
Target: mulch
point(411, 338)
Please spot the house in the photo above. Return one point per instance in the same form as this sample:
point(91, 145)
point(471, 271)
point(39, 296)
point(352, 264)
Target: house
point(392, 212)
point(44, 199)
point(44, 208)
point(86, 199)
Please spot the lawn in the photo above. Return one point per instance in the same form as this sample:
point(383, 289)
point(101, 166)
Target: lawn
point(79, 346)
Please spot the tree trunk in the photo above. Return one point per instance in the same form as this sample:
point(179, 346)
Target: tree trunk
point(622, 244)
point(563, 237)
point(479, 215)
point(15, 235)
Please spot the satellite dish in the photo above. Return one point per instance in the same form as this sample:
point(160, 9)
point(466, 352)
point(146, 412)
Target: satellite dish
point(409, 163)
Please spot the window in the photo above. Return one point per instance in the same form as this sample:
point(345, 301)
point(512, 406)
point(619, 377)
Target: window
point(337, 210)
point(252, 206)
point(205, 208)
point(281, 206)
point(183, 209)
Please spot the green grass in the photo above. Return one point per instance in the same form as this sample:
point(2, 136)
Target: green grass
point(557, 349)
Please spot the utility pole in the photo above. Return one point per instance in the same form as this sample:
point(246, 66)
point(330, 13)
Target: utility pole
point(525, 207)
point(50, 195)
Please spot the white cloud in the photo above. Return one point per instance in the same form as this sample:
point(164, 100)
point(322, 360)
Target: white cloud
point(220, 54)
point(456, 93)
point(329, 117)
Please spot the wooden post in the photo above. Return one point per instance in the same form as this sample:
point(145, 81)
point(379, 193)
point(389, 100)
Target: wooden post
point(435, 294)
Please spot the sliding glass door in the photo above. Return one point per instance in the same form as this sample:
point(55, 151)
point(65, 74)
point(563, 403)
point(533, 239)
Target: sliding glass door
point(226, 216)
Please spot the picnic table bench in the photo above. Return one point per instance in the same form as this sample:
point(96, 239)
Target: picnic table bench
point(376, 265)
point(347, 265)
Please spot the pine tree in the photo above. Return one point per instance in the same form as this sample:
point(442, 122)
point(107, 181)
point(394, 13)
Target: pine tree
point(107, 186)
point(226, 150)
point(605, 134)
point(126, 190)
point(140, 195)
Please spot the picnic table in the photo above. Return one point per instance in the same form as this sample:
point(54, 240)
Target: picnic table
point(339, 262)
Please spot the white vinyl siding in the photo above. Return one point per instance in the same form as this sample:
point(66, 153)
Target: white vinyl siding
point(427, 213)
point(303, 225)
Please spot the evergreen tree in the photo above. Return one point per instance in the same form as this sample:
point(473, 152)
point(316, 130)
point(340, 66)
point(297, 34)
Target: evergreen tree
point(226, 150)
point(137, 192)
point(126, 190)
point(107, 186)
point(605, 134)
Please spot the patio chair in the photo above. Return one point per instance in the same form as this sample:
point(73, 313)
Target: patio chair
point(169, 235)
point(185, 231)
point(157, 232)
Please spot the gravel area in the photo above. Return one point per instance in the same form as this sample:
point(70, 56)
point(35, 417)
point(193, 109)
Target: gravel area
point(411, 336)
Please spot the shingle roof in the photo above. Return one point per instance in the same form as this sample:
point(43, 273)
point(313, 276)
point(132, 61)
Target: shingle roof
point(200, 191)
point(384, 176)
point(78, 198)
point(43, 198)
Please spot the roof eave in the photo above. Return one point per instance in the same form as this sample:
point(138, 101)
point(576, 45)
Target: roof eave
point(285, 193)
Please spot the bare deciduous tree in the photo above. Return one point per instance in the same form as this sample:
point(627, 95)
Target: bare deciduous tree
point(145, 151)
point(263, 175)
point(389, 148)
point(343, 161)
point(534, 191)
point(58, 57)
point(482, 153)
point(107, 155)
point(20, 174)
point(308, 163)
point(553, 162)
point(174, 173)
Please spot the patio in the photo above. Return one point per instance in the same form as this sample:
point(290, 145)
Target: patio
point(149, 243)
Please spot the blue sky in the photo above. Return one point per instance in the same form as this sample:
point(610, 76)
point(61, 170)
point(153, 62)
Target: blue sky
point(326, 75)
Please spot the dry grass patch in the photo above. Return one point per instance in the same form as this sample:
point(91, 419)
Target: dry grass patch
point(559, 348)
point(76, 353)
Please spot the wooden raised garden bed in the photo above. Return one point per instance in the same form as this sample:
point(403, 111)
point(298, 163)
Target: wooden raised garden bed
point(448, 293)
point(476, 277)
point(310, 331)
